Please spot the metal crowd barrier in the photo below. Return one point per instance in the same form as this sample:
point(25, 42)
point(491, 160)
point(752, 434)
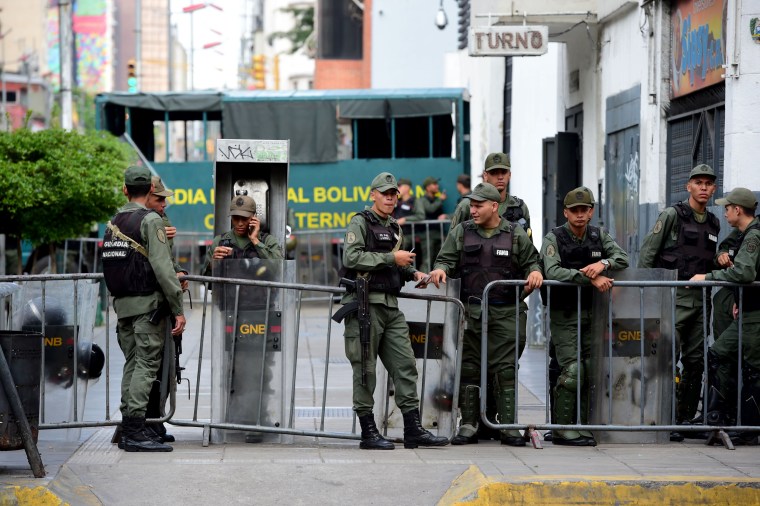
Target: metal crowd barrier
point(289, 427)
point(716, 433)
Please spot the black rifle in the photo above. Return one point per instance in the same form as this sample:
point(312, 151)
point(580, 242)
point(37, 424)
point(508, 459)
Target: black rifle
point(361, 306)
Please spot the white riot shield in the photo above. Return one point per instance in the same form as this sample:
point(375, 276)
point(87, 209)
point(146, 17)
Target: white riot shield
point(631, 371)
point(437, 373)
point(253, 336)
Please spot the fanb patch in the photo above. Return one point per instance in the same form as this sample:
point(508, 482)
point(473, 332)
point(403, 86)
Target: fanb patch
point(550, 250)
point(752, 245)
point(350, 238)
point(657, 227)
point(161, 235)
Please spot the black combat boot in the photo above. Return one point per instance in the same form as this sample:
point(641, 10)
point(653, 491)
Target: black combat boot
point(415, 435)
point(159, 429)
point(136, 438)
point(371, 438)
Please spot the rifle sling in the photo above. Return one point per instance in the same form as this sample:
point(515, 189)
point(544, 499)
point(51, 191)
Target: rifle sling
point(135, 245)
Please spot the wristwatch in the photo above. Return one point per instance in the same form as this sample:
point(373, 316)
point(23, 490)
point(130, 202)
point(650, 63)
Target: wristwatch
point(605, 263)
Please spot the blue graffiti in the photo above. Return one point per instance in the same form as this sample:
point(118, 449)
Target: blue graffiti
point(702, 52)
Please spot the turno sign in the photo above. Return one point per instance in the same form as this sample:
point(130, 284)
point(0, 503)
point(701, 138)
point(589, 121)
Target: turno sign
point(508, 40)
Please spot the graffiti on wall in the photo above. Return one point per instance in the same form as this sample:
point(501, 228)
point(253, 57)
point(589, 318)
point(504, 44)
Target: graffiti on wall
point(93, 46)
point(698, 45)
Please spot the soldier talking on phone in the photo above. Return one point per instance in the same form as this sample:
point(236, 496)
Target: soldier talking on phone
point(245, 240)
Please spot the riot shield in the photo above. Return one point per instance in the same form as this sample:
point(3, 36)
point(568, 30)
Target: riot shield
point(436, 375)
point(253, 335)
point(631, 371)
point(71, 358)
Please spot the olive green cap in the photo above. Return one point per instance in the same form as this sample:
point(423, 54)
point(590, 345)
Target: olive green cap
point(485, 191)
point(580, 196)
point(497, 161)
point(136, 175)
point(702, 170)
point(739, 197)
point(404, 180)
point(159, 189)
point(384, 182)
point(242, 205)
point(429, 180)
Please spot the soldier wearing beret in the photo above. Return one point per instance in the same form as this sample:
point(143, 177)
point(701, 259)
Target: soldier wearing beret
point(578, 253)
point(373, 251)
point(245, 240)
point(138, 271)
point(684, 238)
point(484, 249)
point(722, 366)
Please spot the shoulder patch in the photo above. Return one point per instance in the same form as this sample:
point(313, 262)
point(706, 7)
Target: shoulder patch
point(350, 238)
point(657, 227)
point(752, 244)
point(161, 235)
point(550, 251)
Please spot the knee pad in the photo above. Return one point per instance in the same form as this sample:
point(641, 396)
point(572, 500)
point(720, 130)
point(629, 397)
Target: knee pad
point(470, 374)
point(504, 378)
point(568, 379)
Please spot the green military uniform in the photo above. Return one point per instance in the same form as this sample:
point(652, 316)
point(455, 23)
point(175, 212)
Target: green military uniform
point(267, 248)
point(140, 340)
point(723, 353)
point(564, 322)
point(689, 312)
point(432, 233)
point(389, 336)
point(505, 332)
point(723, 299)
point(411, 209)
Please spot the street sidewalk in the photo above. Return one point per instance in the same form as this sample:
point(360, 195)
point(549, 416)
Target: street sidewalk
point(91, 470)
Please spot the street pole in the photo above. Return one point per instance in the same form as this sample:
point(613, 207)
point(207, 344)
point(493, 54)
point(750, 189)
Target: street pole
point(192, 52)
point(65, 41)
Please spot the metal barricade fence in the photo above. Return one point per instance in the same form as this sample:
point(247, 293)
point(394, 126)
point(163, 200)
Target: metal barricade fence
point(713, 433)
point(288, 375)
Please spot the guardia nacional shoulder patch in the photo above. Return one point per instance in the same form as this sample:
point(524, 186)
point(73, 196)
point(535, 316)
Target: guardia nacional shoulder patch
point(161, 235)
point(550, 250)
point(350, 238)
point(752, 245)
point(657, 227)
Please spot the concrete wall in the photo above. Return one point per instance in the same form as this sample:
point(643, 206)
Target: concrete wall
point(408, 50)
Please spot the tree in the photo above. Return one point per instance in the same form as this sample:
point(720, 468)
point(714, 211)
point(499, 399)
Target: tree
point(56, 184)
point(300, 35)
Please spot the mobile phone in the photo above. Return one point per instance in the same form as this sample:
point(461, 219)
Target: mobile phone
point(423, 282)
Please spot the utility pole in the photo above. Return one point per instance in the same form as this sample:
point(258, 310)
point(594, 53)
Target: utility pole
point(64, 42)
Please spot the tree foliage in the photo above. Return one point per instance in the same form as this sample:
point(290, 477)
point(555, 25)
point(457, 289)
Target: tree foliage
point(55, 184)
point(303, 27)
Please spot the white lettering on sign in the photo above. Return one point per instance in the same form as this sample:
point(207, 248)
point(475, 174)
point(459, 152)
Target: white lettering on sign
point(510, 40)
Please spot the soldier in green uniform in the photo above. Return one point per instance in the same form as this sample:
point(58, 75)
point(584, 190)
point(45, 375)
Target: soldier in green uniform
point(484, 249)
point(245, 240)
point(432, 206)
point(722, 365)
point(373, 241)
point(498, 172)
point(408, 210)
point(723, 299)
point(157, 202)
point(578, 253)
point(138, 271)
point(684, 238)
